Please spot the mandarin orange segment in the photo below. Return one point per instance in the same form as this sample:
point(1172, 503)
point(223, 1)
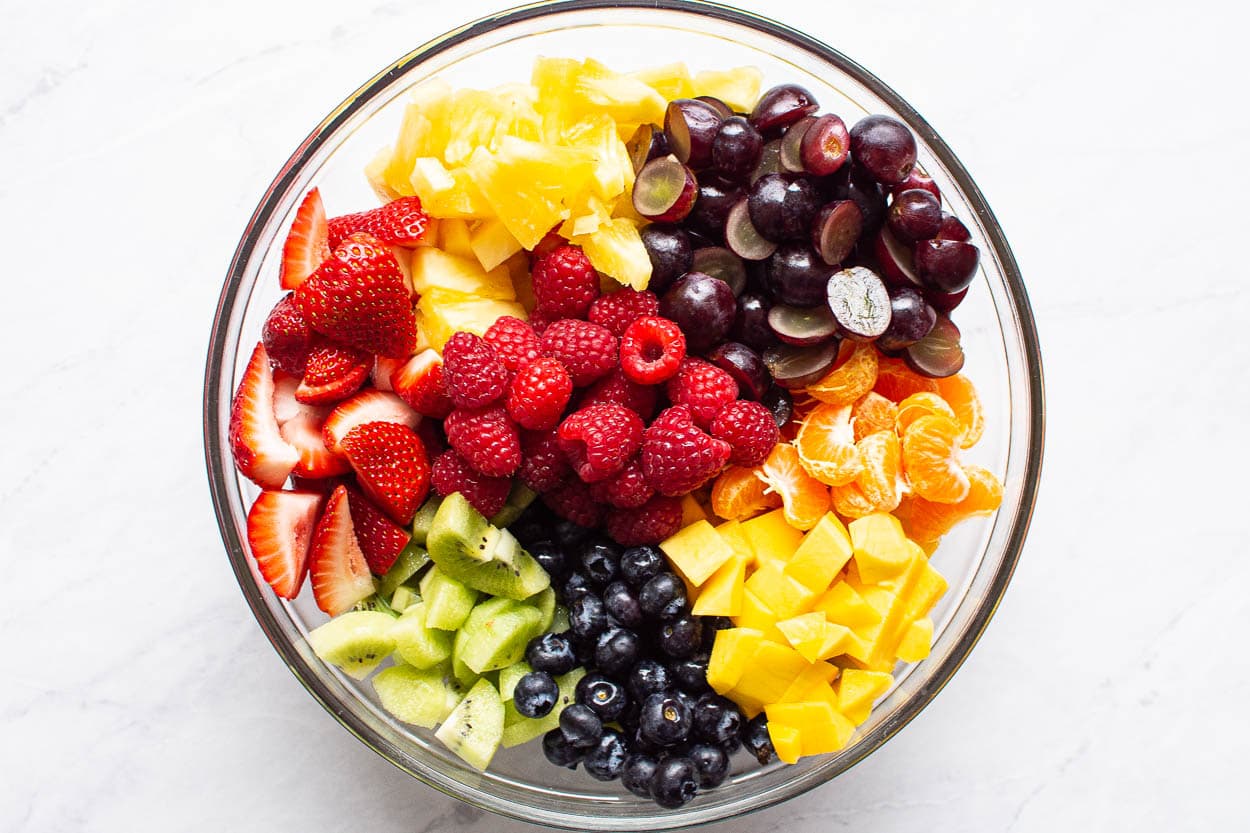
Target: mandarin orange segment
point(739, 494)
point(917, 405)
point(803, 405)
point(896, 381)
point(879, 480)
point(826, 445)
point(961, 395)
point(930, 459)
point(852, 376)
point(872, 413)
point(925, 521)
point(804, 498)
point(850, 502)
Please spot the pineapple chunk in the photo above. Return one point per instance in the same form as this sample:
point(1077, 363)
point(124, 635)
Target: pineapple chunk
point(824, 552)
point(375, 173)
point(881, 547)
point(446, 193)
point(739, 87)
point(723, 592)
point(786, 742)
point(443, 313)
point(484, 119)
point(858, 690)
point(917, 641)
point(423, 132)
point(732, 652)
point(772, 539)
point(670, 81)
point(842, 605)
point(585, 218)
point(453, 238)
point(434, 269)
point(779, 591)
point(616, 249)
point(772, 670)
point(588, 87)
point(821, 728)
point(614, 170)
point(697, 551)
point(492, 243)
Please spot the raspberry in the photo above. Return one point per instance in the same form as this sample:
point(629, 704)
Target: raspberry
point(572, 501)
point(704, 387)
point(287, 337)
point(599, 440)
point(650, 523)
point(617, 311)
point(538, 394)
point(615, 387)
point(452, 473)
point(515, 342)
point(677, 457)
point(539, 321)
point(628, 490)
point(543, 464)
point(565, 282)
point(749, 429)
point(587, 350)
point(486, 438)
point(652, 350)
point(474, 374)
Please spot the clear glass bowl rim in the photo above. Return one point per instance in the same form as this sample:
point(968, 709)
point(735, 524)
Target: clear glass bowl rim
point(325, 132)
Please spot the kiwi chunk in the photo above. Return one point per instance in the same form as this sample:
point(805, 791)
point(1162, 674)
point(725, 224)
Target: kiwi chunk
point(422, 697)
point(447, 601)
point(410, 561)
point(519, 500)
point(356, 641)
point(474, 728)
point(509, 676)
point(422, 520)
point(418, 644)
point(478, 555)
point(497, 632)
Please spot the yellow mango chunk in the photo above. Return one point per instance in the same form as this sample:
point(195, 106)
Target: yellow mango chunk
point(803, 628)
point(842, 605)
point(436, 269)
point(785, 596)
point(670, 80)
point(771, 671)
point(697, 551)
point(821, 728)
point(722, 594)
point(811, 684)
point(738, 87)
point(786, 742)
point(823, 553)
point(881, 547)
point(917, 641)
point(759, 616)
point(858, 690)
point(444, 193)
point(733, 650)
point(732, 532)
point(929, 587)
point(616, 250)
point(492, 243)
point(771, 537)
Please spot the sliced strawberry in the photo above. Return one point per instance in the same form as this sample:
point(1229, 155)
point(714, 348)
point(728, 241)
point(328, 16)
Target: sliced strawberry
point(358, 298)
point(340, 574)
point(382, 370)
point(334, 373)
point(304, 432)
point(260, 453)
point(287, 337)
point(366, 406)
point(401, 222)
point(380, 539)
point(420, 383)
point(391, 466)
point(307, 244)
point(323, 486)
point(279, 531)
point(285, 406)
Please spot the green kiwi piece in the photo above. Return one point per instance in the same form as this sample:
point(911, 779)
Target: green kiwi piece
point(422, 697)
point(519, 500)
point(356, 641)
point(410, 561)
point(545, 601)
point(519, 729)
point(486, 558)
point(418, 644)
point(497, 632)
point(447, 601)
point(509, 676)
point(475, 727)
point(404, 598)
point(422, 520)
point(559, 621)
point(375, 603)
point(465, 675)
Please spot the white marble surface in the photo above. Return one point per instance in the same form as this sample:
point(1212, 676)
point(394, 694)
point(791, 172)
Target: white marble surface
point(1110, 691)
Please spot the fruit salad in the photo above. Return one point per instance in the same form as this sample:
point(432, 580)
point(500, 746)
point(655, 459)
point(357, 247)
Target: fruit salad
point(625, 425)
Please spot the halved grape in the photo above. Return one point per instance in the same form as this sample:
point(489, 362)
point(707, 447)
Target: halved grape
point(665, 190)
point(939, 354)
point(946, 265)
point(792, 145)
point(802, 326)
point(781, 106)
point(780, 404)
point(917, 179)
point(670, 252)
point(690, 126)
point(870, 197)
point(826, 145)
point(716, 104)
point(703, 306)
point(721, 263)
point(646, 144)
point(945, 301)
point(737, 148)
point(860, 303)
point(751, 322)
point(770, 160)
point(797, 367)
point(953, 229)
point(742, 237)
point(884, 148)
point(783, 207)
point(745, 366)
point(716, 197)
point(795, 274)
point(837, 230)
point(911, 319)
point(914, 215)
point(895, 260)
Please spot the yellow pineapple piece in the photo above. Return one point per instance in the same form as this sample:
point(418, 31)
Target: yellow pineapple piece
point(858, 690)
point(616, 250)
point(444, 193)
point(823, 553)
point(423, 132)
point(812, 684)
point(519, 267)
point(881, 547)
point(492, 244)
point(625, 99)
point(614, 170)
point(670, 80)
point(722, 594)
point(842, 605)
point(917, 641)
point(770, 672)
point(453, 238)
point(772, 539)
point(697, 551)
point(443, 313)
point(786, 742)
point(785, 596)
point(732, 651)
point(821, 728)
point(738, 87)
point(435, 269)
point(375, 173)
point(586, 217)
point(757, 615)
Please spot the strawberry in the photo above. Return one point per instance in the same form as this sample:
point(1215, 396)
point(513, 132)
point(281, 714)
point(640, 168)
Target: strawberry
point(279, 531)
point(287, 337)
point(380, 540)
point(401, 222)
point(306, 244)
point(260, 453)
point(358, 298)
point(382, 370)
point(366, 406)
point(420, 383)
point(304, 432)
point(285, 406)
point(334, 372)
point(340, 574)
point(391, 466)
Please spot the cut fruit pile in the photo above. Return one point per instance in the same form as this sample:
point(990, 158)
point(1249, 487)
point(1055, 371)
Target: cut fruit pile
point(629, 421)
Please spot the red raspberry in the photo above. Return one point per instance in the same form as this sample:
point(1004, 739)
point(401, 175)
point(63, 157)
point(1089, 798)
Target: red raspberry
point(538, 394)
point(550, 242)
point(452, 473)
point(572, 501)
point(565, 282)
point(615, 387)
point(486, 438)
point(628, 490)
point(475, 376)
point(704, 387)
point(539, 321)
point(650, 523)
point(599, 440)
point(652, 350)
point(749, 429)
point(287, 337)
point(677, 457)
point(543, 464)
point(515, 342)
point(587, 350)
point(621, 308)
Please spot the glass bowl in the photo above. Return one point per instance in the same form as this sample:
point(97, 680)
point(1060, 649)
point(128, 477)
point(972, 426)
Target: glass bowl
point(999, 339)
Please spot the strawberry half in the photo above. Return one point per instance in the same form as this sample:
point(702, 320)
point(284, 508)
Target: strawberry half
point(307, 244)
point(340, 574)
point(382, 370)
point(380, 539)
point(401, 222)
point(420, 383)
point(287, 337)
point(366, 406)
point(279, 532)
point(358, 298)
point(333, 373)
point(304, 432)
point(260, 453)
point(391, 466)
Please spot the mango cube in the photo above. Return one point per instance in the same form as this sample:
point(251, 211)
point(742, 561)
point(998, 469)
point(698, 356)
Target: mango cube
point(823, 553)
point(858, 690)
point(771, 672)
point(821, 728)
point(929, 587)
point(732, 532)
point(697, 551)
point(917, 641)
point(733, 650)
point(882, 550)
point(786, 742)
point(759, 616)
point(722, 594)
point(772, 539)
point(783, 594)
point(842, 605)
point(811, 684)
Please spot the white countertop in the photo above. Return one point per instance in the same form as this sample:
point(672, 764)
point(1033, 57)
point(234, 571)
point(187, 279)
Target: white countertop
point(1108, 694)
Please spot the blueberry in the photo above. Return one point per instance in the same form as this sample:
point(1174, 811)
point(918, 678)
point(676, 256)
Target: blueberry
point(639, 564)
point(607, 759)
point(581, 726)
point(717, 720)
point(663, 596)
point(638, 772)
point(535, 694)
point(617, 651)
point(605, 697)
point(622, 604)
point(648, 677)
point(550, 557)
point(665, 719)
point(575, 586)
point(680, 638)
point(710, 762)
point(601, 561)
point(712, 624)
point(559, 751)
point(757, 741)
point(587, 618)
point(675, 783)
point(551, 652)
point(686, 699)
point(690, 674)
point(569, 535)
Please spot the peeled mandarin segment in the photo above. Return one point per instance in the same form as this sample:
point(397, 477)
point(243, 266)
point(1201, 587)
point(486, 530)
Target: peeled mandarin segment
point(853, 375)
point(896, 381)
point(927, 521)
point(985, 493)
point(918, 405)
point(929, 459)
point(826, 445)
point(739, 493)
point(961, 395)
point(872, 413)
point(880, 454)
point(849, 501)
point(804, 499)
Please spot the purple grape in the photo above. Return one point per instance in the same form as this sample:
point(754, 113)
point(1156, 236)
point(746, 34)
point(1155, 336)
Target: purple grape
point(895, 259)
point(716, 104)
point(745, 366)
point(836, 231)
point(711, 210)
point(737, 148)
point(797, 275)
point(780, 403)
point(946, 265)
point(721, 263)
point(870, 197)
point(826, 145)
point(770, 160)
point(742, 237)
point(884, 148)
point(797, 367)
point(670, 253)
point(953, 229)
point(860, 303)
point(647, 143)
point(911, 319)
point(665, 190)
point(944, 302)
point(691, 126)
point(915, 215)
point(917, 179)
point(939, 354)
point(782, 207)
point(782, 106)
point(802, 326)
point(751, 323)
point(703, 306)
point(792, 145)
